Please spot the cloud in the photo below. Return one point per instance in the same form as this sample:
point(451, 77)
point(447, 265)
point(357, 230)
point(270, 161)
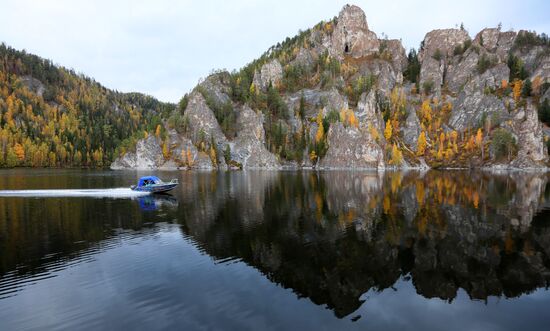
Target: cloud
point(163, 47)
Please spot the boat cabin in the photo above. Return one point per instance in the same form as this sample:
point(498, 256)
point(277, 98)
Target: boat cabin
point(148, 180)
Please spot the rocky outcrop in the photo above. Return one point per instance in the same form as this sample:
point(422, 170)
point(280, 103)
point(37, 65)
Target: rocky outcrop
point(397, 52)
point(33, 84)
point(532, 151)
point(148, 155)
point(352, 35)
point(438, 47)
point(249, 149)
point(270, 73)
point(350, 147)
point(469, 109)
point(202, 122)
point(442, 42)
point(496, 42)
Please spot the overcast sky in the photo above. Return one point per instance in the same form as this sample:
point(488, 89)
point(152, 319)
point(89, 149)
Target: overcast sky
point(163, 47)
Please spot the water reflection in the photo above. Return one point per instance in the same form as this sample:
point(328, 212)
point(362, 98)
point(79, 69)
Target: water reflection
point(156, 201)
point(333, 236)
point(328, 236)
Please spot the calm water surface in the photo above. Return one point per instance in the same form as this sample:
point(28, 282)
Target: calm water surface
point(276, 250)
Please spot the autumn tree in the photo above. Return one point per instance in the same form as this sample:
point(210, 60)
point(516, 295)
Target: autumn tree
point(516, 90)
point(421, 144)
point(479, 142)
point(388, 130)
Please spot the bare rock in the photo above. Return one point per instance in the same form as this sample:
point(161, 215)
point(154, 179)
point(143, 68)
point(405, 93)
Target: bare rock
point(459, 74)
point(33, 84)
point(350, 147)
point(305, 58)
point(431, 72)
point(148, 155)
point(271, 72)
point(248, 148)
point(368, 114)
point(315, 100)
point(351, 35)
point(217, 86)
point(469, 108)
point(398, 54)
point(202, 122)
point(444, 40)
point(532, 152)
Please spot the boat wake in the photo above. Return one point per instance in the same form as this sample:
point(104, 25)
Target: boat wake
point(97, 193)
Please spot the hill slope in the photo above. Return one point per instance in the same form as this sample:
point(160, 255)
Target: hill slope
point(51, 116)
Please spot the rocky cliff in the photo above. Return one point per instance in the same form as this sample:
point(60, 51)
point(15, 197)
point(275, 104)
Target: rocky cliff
point(338, 96)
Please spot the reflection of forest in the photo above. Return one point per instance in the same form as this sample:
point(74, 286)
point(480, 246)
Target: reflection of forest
point(335, 235)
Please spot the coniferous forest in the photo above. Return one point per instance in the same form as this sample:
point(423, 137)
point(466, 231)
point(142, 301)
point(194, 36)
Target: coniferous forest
point(54, 117)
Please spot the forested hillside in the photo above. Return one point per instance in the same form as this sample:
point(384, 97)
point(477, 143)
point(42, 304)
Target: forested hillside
point(54, 117)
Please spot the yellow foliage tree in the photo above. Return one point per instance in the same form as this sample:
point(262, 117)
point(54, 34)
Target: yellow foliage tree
point(353, 120)
point(518, 84)
point(479, 142)
point(252, 89)
point(19, 151)
point(165, 151)
point(213, 156)
point(157, 131)
point(537, 83)
point(421, 144)
point(388, 130)
point(320, 130)
point(313, 156)
point(396, 155)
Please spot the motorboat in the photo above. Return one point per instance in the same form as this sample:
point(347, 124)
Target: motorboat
point(154, 184)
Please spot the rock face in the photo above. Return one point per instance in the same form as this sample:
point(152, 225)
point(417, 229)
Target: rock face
point(202, 121)
point(438, 46)
point(350, 147)
point(352, 36)
point(532, 150)
point(148, 155)
point(271, 72)
point(249, 147)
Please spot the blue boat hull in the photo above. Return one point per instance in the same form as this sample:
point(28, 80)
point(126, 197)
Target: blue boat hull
point(156, 188)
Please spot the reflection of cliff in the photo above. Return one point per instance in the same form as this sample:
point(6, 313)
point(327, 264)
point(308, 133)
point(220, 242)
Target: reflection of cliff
point(333, 236)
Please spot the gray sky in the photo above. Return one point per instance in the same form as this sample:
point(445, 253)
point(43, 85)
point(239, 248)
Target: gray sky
point(163, 47)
